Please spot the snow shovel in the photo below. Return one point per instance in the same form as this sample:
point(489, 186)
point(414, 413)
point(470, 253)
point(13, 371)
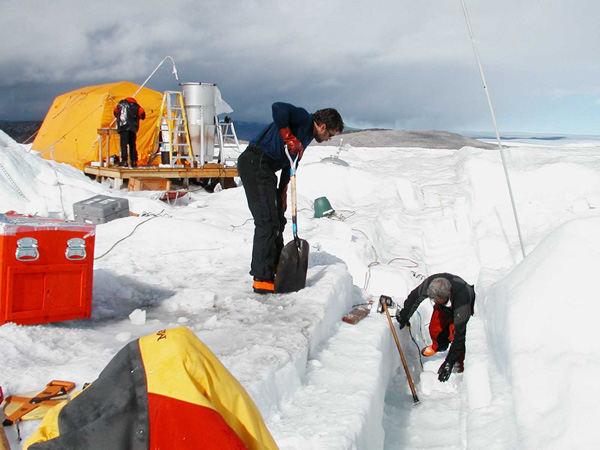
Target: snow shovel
point(293, 260)
point(384, 302)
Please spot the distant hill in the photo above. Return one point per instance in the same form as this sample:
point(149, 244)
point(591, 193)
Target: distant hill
point(247, 130)
point(20, 131)
point(406, 138)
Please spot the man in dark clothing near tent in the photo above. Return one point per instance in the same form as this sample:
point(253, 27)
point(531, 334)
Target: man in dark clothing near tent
point(128, 113)
point(257, 167)
point(453, 306)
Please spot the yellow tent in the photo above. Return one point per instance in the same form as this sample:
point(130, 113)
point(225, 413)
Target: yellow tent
point(69, 132)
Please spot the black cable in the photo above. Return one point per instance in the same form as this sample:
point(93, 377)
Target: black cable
point(233, 227)
point(416, 345)
point(133, 231)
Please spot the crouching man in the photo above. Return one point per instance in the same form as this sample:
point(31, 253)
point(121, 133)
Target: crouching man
point(453, 301)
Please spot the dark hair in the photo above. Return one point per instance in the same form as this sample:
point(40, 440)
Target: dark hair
point(331, 118)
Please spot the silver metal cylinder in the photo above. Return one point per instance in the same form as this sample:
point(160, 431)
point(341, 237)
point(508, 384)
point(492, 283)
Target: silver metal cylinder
point(199, 100)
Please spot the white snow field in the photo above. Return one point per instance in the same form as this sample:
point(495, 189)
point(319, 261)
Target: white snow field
point(402, 213)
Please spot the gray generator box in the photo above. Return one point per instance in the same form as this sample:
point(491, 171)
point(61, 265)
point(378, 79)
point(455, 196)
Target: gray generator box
point(100, 209)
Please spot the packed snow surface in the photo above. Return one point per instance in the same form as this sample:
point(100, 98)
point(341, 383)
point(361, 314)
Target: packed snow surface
point(401, 213)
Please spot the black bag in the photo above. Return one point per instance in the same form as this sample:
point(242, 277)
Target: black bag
point(129, 118)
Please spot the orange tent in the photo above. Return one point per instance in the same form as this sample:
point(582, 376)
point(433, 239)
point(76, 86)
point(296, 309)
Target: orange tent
point(69, 132)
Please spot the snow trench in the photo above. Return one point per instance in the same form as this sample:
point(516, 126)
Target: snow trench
point(330, 392)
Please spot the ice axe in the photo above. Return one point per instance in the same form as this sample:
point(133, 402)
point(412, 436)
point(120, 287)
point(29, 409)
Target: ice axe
point(293, 260)
point(384, 302)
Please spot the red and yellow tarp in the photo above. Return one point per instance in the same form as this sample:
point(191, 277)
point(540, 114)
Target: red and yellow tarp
point(163, 391)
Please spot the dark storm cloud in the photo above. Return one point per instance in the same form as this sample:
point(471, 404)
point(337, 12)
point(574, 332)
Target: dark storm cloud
point(401, 64)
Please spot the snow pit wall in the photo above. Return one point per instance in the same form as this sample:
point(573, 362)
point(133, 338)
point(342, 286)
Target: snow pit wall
point(375, 343)
point(334, 291)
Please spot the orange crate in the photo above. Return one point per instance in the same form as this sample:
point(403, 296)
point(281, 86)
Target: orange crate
point(46, 269)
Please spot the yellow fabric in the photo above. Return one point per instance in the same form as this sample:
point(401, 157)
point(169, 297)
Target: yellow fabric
point(179, 365)
point(48, 428)
point(69, 132)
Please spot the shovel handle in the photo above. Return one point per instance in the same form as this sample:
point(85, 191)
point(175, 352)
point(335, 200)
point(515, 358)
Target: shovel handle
point(410, 381)
point(4, 445)
point(293, 166)
point(293, 163)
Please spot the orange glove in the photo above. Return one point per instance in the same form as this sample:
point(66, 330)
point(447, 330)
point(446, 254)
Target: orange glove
point(294, 145)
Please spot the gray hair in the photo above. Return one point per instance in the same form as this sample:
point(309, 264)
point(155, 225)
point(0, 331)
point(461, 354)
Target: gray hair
point(439, 288)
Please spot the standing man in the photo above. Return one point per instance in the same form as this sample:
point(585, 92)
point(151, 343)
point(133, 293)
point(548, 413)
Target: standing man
point(128, 113)
point(257, 167)
point(453, 306)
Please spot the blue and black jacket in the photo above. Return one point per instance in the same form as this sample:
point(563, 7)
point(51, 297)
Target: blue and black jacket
point(298, 120)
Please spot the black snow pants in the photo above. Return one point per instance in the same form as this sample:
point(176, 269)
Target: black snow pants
point(266, 202)
point(127, 138)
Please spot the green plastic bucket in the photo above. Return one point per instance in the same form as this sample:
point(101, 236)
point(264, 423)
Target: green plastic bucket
point(323, 207)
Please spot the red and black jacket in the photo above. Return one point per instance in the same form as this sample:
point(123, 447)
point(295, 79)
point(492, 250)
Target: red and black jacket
point(462, 298)
point(128, 114)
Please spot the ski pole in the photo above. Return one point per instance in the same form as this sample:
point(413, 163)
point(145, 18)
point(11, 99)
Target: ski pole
point(384, 301)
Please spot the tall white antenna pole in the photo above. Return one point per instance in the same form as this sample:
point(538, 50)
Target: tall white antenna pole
point(512, 200)
point(154, 71)
point(144, 84)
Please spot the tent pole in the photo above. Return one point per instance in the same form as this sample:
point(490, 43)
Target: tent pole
point(512, 200)
point(150, 76)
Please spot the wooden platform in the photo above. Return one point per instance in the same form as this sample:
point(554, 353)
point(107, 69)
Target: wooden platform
point(208, 171)
point(149, 184)
point(123, 173)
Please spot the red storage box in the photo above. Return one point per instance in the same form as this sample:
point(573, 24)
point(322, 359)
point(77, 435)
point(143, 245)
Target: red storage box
point(46, 269)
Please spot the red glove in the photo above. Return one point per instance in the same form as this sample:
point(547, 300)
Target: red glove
point(294, 145)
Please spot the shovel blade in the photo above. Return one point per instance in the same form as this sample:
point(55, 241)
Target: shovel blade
point(293, 265)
